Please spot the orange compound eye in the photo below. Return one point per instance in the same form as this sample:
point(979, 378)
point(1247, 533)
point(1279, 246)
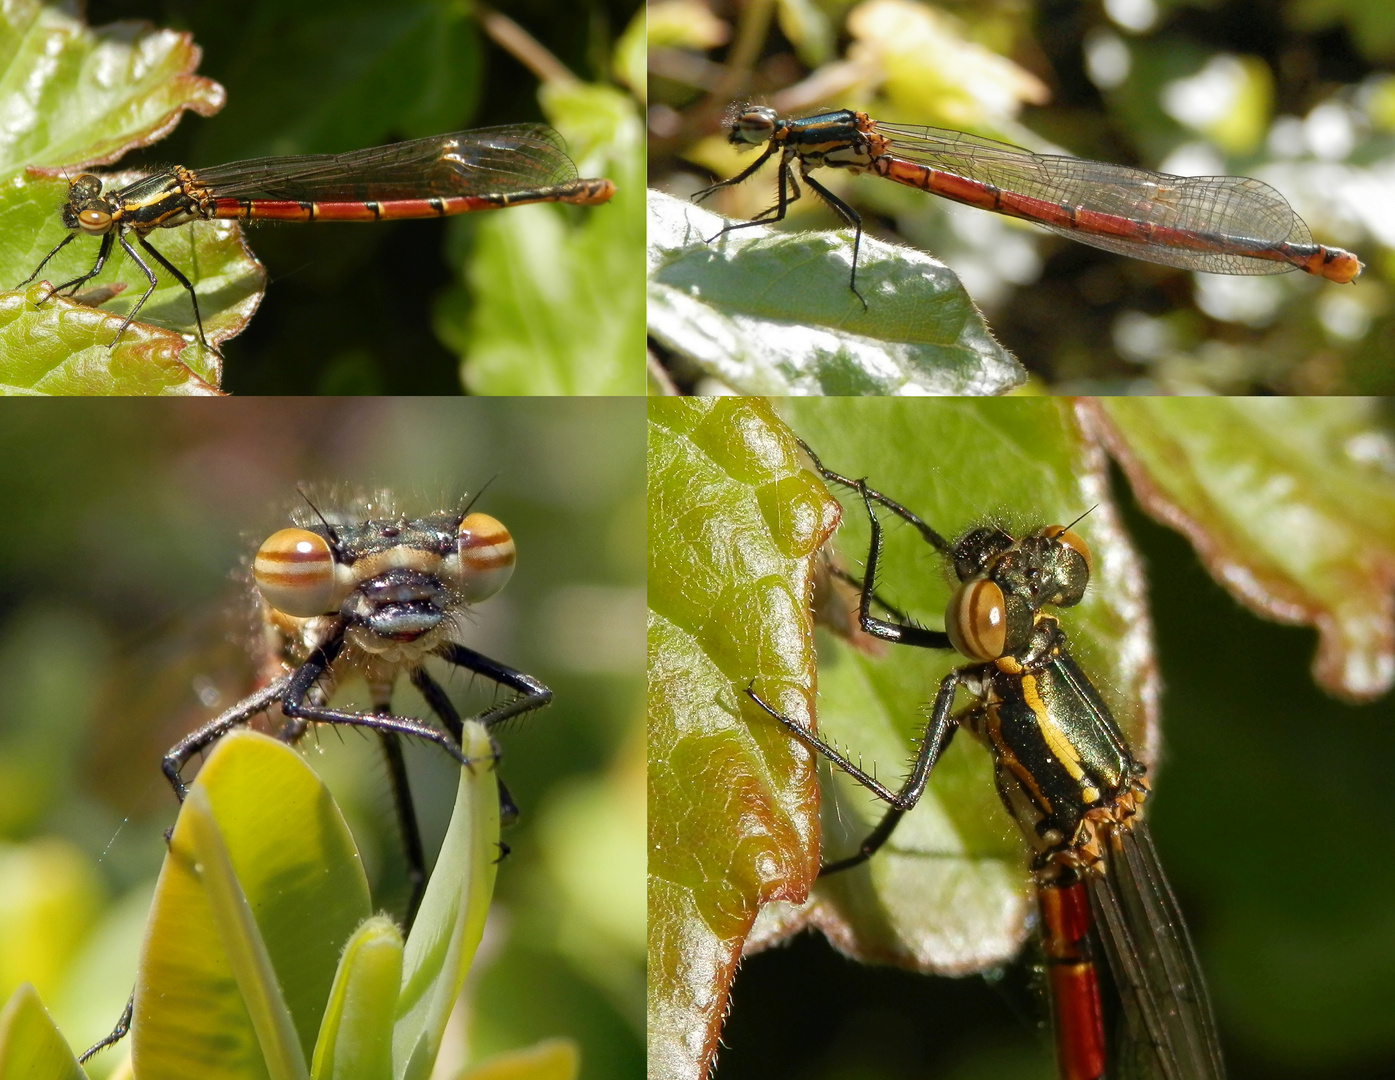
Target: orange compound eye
point(94, 222)
point(976, 620)
point(486, 556)
point(294, 572)
point(1070, 539)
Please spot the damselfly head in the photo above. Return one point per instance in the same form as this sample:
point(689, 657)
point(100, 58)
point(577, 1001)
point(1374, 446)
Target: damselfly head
point(752, 125)
point(85, 208)
point(396, 582)
point(1006, 581)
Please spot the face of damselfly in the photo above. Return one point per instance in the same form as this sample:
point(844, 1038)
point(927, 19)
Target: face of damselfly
point(398, 585)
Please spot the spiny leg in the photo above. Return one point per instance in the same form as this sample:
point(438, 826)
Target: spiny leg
point(406, 822)
point(149, 276)
point(61, 245)
point(119, 1032)
point(850, 217)
point(102, 253)
point(938, 732)
point(197, 741)
point(179, 277)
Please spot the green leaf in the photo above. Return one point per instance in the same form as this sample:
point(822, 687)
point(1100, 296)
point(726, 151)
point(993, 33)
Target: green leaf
point(733, 527)
point(30, 1046)
point(355, 1040)
point(297, 866)
point(1289, 504)
point(88, 97)
point(451, 918)
point(767, 311)
point(242, 944)
point(555, 303)
point(85, 97)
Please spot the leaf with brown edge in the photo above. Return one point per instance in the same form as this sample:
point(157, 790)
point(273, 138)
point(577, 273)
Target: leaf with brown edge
point(1290, 504)
point(734, 525)
point(61, 348)
point(84, 97)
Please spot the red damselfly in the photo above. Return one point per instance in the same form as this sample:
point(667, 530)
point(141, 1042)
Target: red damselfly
point(1127, 991)
point(485, 169)
point(1219, 224)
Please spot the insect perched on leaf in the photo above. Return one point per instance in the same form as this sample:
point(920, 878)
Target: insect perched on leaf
point(364, 591)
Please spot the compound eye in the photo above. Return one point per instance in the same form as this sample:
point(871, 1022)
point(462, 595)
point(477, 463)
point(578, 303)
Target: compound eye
point(1066, 538)
point(94, 222)
point(754, 126)
point(486, 556)
point(976, 620)
point(294, 572)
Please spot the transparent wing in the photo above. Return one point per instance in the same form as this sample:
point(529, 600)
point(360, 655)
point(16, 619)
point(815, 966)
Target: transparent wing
point(1167, 1029)
point(1242, 209)
point(516, 157)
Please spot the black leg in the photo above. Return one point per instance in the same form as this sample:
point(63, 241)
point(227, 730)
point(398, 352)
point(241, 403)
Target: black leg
point(745, 174)
point(117, 1033)
point(296, 703)
point(149, 276)
point(443, 707)
point(61, 245)
point(439, 703)
point(406, 822)
point(929, 535)
point(532, 693)
point(938, 732)
point(215, 729)
point(786, 193)
point(178, 276)
point(102, 254)
point(849, 215)
point(858, 584)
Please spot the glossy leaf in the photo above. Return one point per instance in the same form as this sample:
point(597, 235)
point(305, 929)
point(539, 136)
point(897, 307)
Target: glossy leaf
point(1290, 505)
point(61, 347)
point(85, 97)
point(297, 866)
point(768, 311)
point(89, 96)
point(733, 526)
point(451, 918)
point(241, 940)
point(30, 1046)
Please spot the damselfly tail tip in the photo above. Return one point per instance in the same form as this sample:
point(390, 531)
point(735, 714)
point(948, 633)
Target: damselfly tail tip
point(591, 192)
point(1337, 265)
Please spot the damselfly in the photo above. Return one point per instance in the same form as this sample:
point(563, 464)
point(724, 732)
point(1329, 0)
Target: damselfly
point(485, 169)
point(1220, 224)
point(364, 592)
point(1067, 776)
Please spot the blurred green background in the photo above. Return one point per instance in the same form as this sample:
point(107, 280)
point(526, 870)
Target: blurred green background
point(1296, 92)
point(1269, 816)
point(394, 308)
point(124, 623)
